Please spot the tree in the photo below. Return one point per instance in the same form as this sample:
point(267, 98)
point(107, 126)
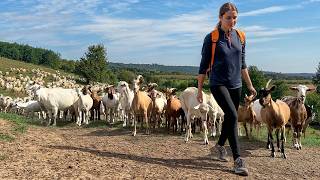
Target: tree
point(316, 78)
point(282, 89)
point(313, 99)
point(126, 75)
point(257, 78)
point(49, 58)
point(93, 66)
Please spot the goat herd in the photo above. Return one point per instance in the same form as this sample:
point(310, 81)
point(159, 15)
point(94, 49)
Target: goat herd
point(156, 108)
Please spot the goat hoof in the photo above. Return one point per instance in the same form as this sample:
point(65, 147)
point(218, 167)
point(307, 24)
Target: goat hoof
point(206, 142)
point(272, 154)
point(284, 156)
point(134, 134)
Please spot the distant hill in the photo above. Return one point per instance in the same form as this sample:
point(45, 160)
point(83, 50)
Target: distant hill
point(156, 67)
point(276, 75)
point(194, 70)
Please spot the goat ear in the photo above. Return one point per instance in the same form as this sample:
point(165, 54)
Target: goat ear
point(141, 80)
point(310, 89)
point(89, 88)
point(174, 90)
point(261, 91)
point(294, 88)
point(272, 88)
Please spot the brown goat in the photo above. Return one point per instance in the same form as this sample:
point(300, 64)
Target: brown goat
point(298, 116)
point(173, 111)
point(276, 115)
point(95, 110)
point(247, 115)
point(141, 105)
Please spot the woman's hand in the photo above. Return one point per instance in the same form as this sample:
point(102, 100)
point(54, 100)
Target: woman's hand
point(252, 91)
point(199, 97)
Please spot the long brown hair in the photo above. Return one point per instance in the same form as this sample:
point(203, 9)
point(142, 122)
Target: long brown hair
point(225, 8)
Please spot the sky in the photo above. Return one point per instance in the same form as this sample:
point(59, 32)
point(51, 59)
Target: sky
point(282, 35)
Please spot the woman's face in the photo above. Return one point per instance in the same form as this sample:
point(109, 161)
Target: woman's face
point(229, 19)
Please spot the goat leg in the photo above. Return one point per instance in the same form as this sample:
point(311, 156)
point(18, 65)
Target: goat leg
point(282, 143)
point(268, 142)
point(278, 142)
point(272, 146)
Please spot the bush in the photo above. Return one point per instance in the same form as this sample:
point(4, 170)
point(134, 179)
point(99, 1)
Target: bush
point(314, 99)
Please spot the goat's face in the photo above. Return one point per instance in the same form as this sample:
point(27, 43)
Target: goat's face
point(136, 85)
point(85, 90)
point(152, 86)
point(122, 86)
point(301, 91)
point(265, 96)
point(153, 94)
point(37, 95)
point(170, 92)
point(137, 82)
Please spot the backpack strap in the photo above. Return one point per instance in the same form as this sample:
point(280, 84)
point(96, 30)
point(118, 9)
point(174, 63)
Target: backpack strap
point(242, 36)
point(214, 39)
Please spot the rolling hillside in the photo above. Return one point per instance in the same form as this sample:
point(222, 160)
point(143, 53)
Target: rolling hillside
point(194, 70)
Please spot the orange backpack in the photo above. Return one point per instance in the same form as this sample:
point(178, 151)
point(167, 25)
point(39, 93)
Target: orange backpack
point(215, 38)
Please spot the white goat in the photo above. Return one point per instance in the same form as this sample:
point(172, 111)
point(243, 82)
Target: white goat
point(83, 106)
point(55, 99)
point(192, 108)
point(111, 103)
point(126, 98)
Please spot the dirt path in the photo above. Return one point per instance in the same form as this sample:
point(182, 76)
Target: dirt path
point(93, 153)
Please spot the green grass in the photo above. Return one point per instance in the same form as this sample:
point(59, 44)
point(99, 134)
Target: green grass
point(20, 125)
point(6, 64)
point(6, 137)
point(312, 137)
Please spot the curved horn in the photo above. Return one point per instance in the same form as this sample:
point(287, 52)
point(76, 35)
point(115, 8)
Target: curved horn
point(268, 83)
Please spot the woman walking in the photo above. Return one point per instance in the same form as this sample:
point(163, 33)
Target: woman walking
point(223, 57)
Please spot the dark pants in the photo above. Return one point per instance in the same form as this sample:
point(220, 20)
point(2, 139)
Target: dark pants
point(228, 100)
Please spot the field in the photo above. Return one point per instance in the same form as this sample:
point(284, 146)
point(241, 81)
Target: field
point(6, 64)
point(99, 151)
point(30, 150)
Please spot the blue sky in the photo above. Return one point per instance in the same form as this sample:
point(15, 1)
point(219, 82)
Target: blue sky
point(282, 35)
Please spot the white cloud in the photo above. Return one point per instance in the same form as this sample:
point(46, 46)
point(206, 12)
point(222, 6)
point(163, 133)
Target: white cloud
point(259, 34)
point(178, 31)
point(66, 7)
point(268, 10)
point(269, 32)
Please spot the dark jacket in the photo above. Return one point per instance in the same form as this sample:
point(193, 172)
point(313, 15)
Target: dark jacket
point(228, 60)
